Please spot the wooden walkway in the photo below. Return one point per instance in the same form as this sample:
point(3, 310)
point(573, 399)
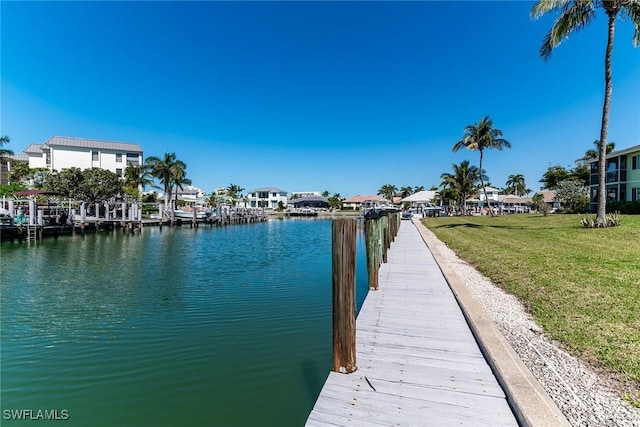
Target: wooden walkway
point(418, 362)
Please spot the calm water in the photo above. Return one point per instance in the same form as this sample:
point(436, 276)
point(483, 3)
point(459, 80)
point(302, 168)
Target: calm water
point(224, 327)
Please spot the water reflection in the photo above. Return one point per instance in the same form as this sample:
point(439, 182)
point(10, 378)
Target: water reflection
point(228, 324)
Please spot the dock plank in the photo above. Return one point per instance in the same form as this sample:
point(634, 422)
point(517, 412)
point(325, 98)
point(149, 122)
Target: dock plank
point(413, 345)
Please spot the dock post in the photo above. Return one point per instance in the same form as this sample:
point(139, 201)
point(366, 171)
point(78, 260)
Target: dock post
point(83, 217)
point(32, 212)
point(344, 301)
point(372, 236)
point(384, 236)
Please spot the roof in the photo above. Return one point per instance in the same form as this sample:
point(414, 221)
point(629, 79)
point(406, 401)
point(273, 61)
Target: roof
point(65, 141)
point(360, 199)
point(267, 190)
point(515, 199)
point(421, 196)
point(33, 149)
point(548, 196)
point(19, 157)
point(618, 153)
point(492, 189)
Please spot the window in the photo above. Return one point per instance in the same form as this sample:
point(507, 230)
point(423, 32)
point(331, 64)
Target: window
point(635, 162)
point(132, 159)
point(119, 172)
point(634, 194)
point(95, 156)
point(118, 157)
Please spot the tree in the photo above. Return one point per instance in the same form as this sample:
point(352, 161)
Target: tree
point(592, 153)
point(553, 176)
point(418, 189)
point(167, 170)
point(573, 195)
point(335, 201)
point(540, 205)
point(387, 191)
point(136, 178)
point(463, 182)
point(92, 185)
point(9, 190)
point(234, 192)
point(325, 194)
point(479, 137)
point(5, 153)
point(406, 191)
point(67, 182)
point(99, 185)
point(575, 15)
point(516, 185)
point(19, 171)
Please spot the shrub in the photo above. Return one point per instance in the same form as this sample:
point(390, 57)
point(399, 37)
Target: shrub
point(610, 220)
point(626, 208)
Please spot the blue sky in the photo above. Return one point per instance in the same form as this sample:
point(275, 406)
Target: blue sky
point(313, 96)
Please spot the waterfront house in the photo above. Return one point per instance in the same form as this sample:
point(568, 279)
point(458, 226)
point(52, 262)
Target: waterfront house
point(355, 202)
point(622, 179)
point(64, 152)
point(266, 197)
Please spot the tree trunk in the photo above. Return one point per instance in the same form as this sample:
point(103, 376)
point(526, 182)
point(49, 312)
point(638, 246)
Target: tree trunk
point(484, 189)
point(602, 155)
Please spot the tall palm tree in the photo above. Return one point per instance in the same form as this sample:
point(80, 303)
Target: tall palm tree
point(516, 185)
point(387, 191)
point(479, 137)
point(575, 15)
point(463, 181)
point(167, 170)
point(180, 180)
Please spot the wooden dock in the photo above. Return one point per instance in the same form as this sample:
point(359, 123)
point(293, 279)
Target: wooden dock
point(418, 363)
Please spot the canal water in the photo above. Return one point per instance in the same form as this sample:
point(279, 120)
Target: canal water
point(210, 327)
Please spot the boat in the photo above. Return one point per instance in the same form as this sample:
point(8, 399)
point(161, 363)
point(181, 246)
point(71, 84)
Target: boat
point(374, 209)
point(202, 213)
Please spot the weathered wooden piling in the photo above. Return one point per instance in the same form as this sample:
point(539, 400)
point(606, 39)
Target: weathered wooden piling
point(344, 301)
point(372, 236)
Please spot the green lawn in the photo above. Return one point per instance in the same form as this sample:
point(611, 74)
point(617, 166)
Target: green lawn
point(581, 285)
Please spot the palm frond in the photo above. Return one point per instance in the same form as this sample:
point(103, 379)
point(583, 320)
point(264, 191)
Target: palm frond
point(632, 11)
point(572, 19)
point(544, 6)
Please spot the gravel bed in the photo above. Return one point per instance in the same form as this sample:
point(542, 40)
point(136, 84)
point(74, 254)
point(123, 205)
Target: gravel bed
point(582, 395)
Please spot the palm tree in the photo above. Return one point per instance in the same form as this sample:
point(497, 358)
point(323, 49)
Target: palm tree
point(406, 191)
point(575, 15)
point(516, 185)
point(418, 189)
point(234, 192)
point(480, 136)
point(4, 153)
point(137, 176)
point(462, 182)
point(169, 171)
point(387, 191)
point(592, 153)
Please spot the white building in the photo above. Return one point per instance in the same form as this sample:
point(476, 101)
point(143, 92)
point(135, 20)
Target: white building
point(63, 152)
point(267, 197)
point(492, 194)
